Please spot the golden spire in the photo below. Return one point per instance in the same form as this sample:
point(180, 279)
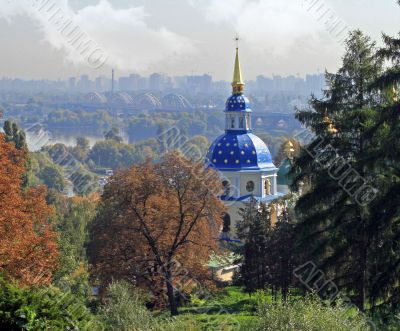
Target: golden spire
point(237, 83)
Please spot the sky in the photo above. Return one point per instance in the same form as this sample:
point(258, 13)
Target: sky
point(181, 37)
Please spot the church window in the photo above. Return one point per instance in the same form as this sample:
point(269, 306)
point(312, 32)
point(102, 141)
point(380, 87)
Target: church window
point(267, 186)
point(232, 122)
point(241, 123)
point(250, 186)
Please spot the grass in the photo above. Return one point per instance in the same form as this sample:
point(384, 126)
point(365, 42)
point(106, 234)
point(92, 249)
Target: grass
point(229, 308)
point(232, 309)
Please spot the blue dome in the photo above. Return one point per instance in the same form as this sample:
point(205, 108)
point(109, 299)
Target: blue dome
point(239, 151)
point(237, 102)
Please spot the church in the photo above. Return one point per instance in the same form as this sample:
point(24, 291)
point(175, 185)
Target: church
point(243, 160)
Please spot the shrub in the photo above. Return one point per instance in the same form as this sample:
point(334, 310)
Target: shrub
point(43, 309)
point(124, 310)
point(309, 314)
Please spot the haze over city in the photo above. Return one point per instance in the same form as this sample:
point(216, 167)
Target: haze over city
point(186, 37)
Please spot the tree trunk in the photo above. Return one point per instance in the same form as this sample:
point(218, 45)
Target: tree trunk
point(363, 267)
point(171, 294)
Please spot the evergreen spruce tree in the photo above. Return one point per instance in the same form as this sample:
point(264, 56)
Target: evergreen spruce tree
point(282, 253)
point(334, 219)
point(255, 231)
point(385, 136)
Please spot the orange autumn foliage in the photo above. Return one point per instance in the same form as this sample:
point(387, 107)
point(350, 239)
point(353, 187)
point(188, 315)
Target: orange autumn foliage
point(157, 226)
point(28, 249)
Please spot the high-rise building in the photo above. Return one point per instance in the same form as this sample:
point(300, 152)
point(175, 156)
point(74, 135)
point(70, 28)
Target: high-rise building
point(85, 84)
point(72, 83)
point(156, 82)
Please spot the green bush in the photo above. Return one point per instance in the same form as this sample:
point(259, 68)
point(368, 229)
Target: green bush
point(309, 314)
point(124, 310)
point(43, 309)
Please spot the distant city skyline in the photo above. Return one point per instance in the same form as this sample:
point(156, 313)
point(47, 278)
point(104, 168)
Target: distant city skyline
point(180, 38)
point(190, 85)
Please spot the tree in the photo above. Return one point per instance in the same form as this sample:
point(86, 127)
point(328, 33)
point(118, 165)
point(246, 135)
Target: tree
point(282, 252)
point(74, 217)
point(82, 148)
point(384, 136)
point(83, 143)
point(106, 154)
point(335, 223)
point(255, 230)
point(156, 224)
point(113, 134)
point(28, 250)
point(15, 135)
point(268, 252)
point(52, 178)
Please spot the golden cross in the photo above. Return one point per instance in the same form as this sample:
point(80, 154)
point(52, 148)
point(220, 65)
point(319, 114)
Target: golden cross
point(237, 41)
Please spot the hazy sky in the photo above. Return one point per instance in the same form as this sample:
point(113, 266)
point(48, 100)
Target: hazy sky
point(179, 37)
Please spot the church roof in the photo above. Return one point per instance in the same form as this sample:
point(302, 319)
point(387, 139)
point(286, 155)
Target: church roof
point(237, 102)
point(239, 151)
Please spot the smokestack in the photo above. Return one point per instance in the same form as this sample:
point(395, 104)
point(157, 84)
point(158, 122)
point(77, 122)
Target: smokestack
point(112, 82)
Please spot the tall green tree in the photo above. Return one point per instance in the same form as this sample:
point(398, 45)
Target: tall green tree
point(255, 230)
point(385, 134)
point(268, 252)
point(15, 135)
point(282, 253)
point(335, 224)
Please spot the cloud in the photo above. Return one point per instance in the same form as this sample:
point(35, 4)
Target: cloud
point(124, 35)
point(267, 25)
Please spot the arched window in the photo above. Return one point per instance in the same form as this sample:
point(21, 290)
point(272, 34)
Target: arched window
point(226, 223)
point(232, 122)
point(227, 187)
point(267, 186)
point(250, 186)
point(241, 122)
